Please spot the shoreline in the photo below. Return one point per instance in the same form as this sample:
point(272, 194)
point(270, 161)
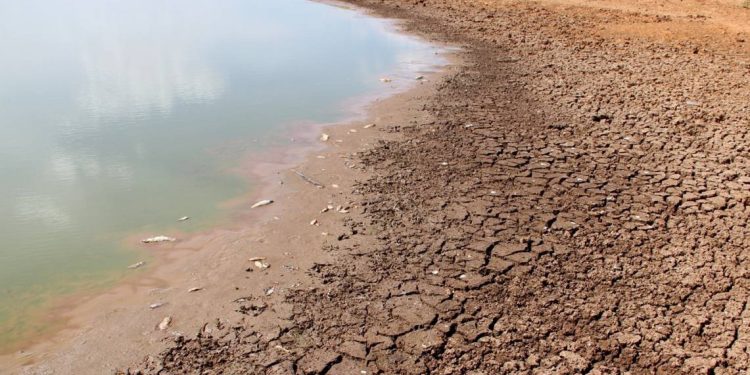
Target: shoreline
point(572, 200)
point(89, 326)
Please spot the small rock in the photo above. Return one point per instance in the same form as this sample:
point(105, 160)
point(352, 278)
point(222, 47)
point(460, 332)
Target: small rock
point(385, 80)
point(261, 264)
point(324, 137)
point(627, 338)
point(314, 222)
point(268, 291)
point(576, 361)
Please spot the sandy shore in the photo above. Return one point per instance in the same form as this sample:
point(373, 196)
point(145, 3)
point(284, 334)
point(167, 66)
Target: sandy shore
point(571, 198)
point(211, 279)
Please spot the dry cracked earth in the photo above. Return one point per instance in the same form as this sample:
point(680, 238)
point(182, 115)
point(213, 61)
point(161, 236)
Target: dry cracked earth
point(578, 204)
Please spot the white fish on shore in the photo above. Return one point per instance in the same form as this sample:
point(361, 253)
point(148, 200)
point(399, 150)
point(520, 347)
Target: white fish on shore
point(324, 137)
point(369, 126)
point(184, 218)
point(385, 80)
point(191, 290)
point(136, 265)
point(158, 239)
point(264, 202)
point(165, 323)
point(155, 305)
point(261, 264)
point(253, 259)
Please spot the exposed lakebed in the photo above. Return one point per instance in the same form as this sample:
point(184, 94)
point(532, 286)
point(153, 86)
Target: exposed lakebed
point(118, 118)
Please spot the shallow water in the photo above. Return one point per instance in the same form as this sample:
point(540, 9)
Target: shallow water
point(118, 117)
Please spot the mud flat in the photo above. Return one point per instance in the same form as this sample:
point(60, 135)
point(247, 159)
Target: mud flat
point(572, 198)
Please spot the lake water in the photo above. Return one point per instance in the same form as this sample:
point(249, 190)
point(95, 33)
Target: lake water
point(118, 117)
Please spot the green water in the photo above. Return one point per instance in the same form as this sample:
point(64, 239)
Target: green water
point(118, 117)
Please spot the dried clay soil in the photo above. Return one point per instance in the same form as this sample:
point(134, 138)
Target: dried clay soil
point(577, 202)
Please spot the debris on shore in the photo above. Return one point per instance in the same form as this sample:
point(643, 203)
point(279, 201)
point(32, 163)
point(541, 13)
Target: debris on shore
point(262, 203)
point(158, 239)
point(164, 324)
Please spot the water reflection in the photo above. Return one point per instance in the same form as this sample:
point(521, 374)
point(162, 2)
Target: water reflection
point(108, 108)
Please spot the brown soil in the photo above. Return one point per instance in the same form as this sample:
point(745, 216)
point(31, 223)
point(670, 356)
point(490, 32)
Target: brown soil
point(573, 200)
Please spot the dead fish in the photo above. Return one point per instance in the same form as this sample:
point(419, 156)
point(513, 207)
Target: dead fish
point(165, 323)
point(385, 80)
point(314, 222)
point(268, 291)
point(352, 130)
point(184, 218)
point(264, 202)
point(369, 126)
point(191, 290)
point(158, 239)
point(156, 305)
point(419, 78)
point(261, 264)
point(253, 259)
point(324, 137)
point(136, 265)
point(335, 186)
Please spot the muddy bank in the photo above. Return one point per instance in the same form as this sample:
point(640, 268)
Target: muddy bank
point(573, 199)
